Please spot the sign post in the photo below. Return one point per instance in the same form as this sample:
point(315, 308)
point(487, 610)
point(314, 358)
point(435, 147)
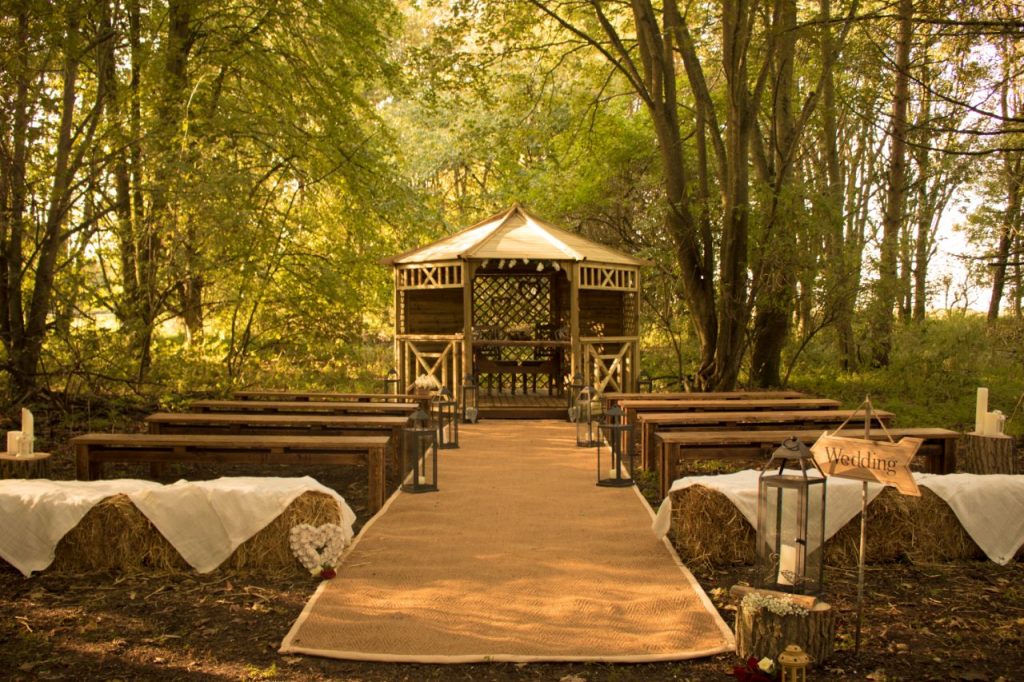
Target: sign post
point(868, 461)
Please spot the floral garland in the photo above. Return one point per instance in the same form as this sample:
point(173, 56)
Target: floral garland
point(318, 549)
point(780, 606)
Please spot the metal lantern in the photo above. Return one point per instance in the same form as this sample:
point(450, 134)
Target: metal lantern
point(446, 419)
point(645, 383)
point(574, 390)
point(619, 437)
point(791, 521)
point(582, 413)
point(391, 382)
point(470, 400)
point(419, 455)
point(793, 663)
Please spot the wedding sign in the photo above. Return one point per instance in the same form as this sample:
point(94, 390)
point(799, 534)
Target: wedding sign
point(868, 460)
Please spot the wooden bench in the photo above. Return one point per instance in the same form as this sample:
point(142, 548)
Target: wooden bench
point(631, 408)
point(674, 447)
point(283, 424)
point(94, 449)
point(650, 423)
point(321, 396)
point(302, 407)
point(612, 397)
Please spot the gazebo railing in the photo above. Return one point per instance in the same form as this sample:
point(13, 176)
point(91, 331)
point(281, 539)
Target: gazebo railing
point(609, 363)
point(436, 355)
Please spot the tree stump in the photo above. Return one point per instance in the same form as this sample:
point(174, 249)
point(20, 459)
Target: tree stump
point(989, 455)
point(36, 465)
point(762, 633)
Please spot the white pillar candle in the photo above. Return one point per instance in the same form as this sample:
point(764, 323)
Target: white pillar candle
point(28, 433)
point(994, 423)
point(14, 442)
point(981, 411)
point(787, 564)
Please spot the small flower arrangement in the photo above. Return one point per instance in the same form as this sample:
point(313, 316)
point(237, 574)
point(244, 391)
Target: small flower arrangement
point(780, 606)
point(756, 670)
point(318, 549)
point(426, 382)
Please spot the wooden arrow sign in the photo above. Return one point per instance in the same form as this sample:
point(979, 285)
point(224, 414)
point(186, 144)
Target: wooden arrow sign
point(868, 460)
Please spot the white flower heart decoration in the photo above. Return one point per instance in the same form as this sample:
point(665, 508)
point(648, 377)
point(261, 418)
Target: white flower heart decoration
point(317, 548)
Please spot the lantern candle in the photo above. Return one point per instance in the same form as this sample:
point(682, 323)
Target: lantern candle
point(787, 563)
point(981, 412)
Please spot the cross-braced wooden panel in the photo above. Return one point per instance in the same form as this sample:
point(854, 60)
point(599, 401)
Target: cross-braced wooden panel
point(509, 302)
point(608, 277)
point(431, 277)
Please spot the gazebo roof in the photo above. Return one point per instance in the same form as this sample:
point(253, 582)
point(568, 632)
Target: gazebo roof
point(514, 233)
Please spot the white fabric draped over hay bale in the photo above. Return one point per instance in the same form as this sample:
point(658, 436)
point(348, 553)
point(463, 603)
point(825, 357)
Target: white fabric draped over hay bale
point(204, 521)
point(988, 509)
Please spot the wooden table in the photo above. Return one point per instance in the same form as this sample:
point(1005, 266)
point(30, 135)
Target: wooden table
point(674, 447)
point(650, 423)
point(302, 407)
point(545, 359)
point(614, 397)
point(94, 449)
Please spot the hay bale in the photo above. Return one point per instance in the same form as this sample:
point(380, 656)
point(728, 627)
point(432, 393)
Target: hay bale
point(708, 530)
point(116, 536)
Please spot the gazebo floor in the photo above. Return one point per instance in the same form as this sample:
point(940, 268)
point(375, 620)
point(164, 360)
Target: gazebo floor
point(505, 405)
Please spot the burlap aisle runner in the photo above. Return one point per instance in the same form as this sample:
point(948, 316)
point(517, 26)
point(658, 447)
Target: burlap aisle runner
point(519, 557)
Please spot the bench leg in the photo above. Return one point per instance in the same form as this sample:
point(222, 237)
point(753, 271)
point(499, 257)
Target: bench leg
point(376, 480)
point(85, 470)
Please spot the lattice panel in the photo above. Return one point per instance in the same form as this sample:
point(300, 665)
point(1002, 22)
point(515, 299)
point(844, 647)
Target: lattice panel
point(431, 277)
point(629, 314)
point(505, 303)
point(608, 277)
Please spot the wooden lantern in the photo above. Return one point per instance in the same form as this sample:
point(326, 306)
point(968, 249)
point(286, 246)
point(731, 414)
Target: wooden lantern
point(470, 400)
point(583, 415)
point(391, 382)
point(791, 521)
point(619, 437)
point(445, 408)
point(793, 663)
point(419, 455)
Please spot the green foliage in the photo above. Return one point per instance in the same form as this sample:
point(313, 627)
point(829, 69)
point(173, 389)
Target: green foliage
point(933, 375)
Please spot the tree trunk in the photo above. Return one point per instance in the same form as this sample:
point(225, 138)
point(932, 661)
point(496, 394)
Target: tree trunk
point(1010, 227)
point(887, 286)
point(988, 455)
point(761, 633)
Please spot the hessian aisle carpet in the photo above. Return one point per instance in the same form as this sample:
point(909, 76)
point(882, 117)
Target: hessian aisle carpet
point(518, 557)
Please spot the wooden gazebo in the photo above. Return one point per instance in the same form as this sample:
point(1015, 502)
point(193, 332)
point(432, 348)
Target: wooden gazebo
point(521, 305)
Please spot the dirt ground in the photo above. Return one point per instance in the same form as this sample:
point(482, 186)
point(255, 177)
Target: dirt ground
point(921, 622)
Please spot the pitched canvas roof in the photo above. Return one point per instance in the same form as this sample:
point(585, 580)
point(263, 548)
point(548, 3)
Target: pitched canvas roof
point(514, 233)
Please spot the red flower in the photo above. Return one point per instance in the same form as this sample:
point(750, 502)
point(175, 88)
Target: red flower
point(751, 672)
point(327, 573)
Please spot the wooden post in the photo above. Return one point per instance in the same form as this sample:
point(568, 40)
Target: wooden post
point(995, 454)
point(36, 465)
point(468, 271)
point(573, 271)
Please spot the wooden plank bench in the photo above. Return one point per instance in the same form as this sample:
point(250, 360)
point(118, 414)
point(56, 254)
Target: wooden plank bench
point(92, 450)
point(613, 397)
point(283, 424)
point(650, 423)
point(631, 408)
point(323, 396)
point(674, 447)
point(302, 407)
